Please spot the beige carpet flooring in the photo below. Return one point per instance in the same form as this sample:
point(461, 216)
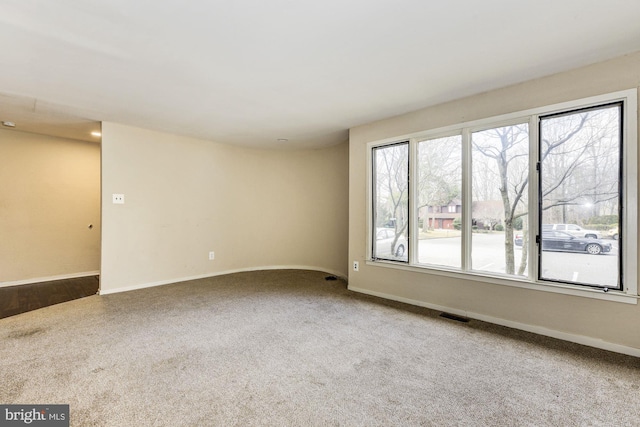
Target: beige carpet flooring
point(288, 348)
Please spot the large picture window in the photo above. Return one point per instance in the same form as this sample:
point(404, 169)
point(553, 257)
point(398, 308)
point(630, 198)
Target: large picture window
point(500, 174)
point(439, 207)
point(580, 157)
point(391, 210)
point(545, 197)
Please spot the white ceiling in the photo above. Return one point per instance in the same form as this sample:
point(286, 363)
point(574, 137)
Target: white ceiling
point(251, 71)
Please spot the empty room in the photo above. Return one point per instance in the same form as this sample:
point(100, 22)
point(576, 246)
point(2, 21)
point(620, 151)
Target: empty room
point(358, 213)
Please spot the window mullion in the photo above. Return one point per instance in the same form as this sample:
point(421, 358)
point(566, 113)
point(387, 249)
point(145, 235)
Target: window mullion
point(414, 230)
point(466, 200)
point(533, 214)
point(630, 195)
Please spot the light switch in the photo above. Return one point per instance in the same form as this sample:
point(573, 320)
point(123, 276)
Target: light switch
point(118, 199)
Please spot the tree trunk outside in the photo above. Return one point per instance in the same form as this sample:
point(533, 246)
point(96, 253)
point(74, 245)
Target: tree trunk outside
point(508, 246)
point(525, 251)
point(510, 264)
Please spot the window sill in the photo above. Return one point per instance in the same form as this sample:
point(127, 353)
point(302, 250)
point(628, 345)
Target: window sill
point(611, 295)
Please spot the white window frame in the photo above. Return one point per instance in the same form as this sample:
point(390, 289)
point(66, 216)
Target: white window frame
point(629, 291)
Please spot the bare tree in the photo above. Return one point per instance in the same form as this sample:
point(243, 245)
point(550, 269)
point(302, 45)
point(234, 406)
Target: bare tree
point(508, 148)
point(392, 186)
point(579, 156)
point(488, 212)
point(439, 173)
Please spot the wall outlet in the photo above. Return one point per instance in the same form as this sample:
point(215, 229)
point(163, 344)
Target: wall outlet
point(118, 199)
point(212, 255)
point(356, 266)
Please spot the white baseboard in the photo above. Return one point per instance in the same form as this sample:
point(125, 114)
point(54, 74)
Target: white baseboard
point(218, 273)
point(565, 336)
point(50, 278)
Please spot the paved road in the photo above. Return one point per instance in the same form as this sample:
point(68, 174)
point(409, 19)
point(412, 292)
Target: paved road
point(487, 254)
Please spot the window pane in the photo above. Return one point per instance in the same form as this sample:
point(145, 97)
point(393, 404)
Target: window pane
point(440, 201)
point(500, 167)
point(580, 192)
point(391, 202)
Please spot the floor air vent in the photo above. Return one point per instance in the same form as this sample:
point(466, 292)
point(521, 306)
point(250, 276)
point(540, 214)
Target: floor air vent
point(454, 317)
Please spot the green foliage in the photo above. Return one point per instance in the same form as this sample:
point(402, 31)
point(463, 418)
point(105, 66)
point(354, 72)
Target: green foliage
point(517, 223)
point(612, 220)
point(457, 223)
point(498, 227)
point(600, 227)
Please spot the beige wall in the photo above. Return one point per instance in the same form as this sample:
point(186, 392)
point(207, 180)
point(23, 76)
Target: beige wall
point(613, 324)
point(49, 194)
point(185, 197)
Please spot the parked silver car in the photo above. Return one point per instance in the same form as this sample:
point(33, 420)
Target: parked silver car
point(384, 240)
point(573, 229)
